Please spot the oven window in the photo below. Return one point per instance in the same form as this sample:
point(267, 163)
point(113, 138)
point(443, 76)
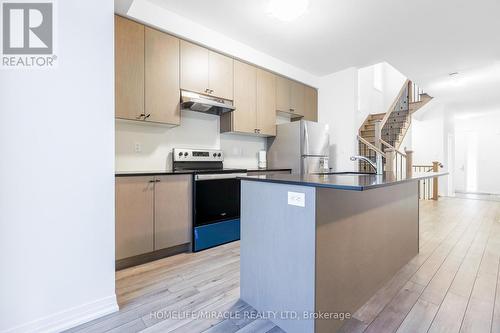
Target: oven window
point(217, 200)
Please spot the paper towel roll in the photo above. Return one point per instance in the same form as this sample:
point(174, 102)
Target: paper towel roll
point(262, 159)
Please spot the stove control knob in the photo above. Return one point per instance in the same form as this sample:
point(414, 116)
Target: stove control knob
point(215, 155)
point(218, 154)
point(180, 154)
point(185, 154)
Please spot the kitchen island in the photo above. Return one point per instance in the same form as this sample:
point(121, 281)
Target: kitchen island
point(314, 248)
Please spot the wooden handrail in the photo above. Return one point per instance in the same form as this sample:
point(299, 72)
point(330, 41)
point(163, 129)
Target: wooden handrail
point(391, 108)
point(370, 146)
point(388, 145)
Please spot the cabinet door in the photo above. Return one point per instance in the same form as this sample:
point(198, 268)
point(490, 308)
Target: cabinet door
point(297, 98)
point(194, 67)
point(134, 216)
point(283, 90)
point(310, 104)
point(129, 69)
point(220, 75)
point(173, 211)
point(245, 98)
point(266, 102)
point(162, 77)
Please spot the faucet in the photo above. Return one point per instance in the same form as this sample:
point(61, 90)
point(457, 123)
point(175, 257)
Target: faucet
point(378, 166)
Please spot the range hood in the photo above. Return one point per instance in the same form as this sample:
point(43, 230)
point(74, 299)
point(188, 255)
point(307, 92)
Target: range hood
point(206, 104)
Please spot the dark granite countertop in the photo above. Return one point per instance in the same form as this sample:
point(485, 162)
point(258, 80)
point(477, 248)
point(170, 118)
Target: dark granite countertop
point(152, 173)
point(266, 169)
point(353, 182)
point(179, 172)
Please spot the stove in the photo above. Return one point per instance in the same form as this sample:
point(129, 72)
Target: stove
point(216, 196)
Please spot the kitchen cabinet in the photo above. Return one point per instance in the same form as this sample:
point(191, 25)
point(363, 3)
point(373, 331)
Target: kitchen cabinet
point(134, 216)
point(146, 74)
point(162, 103)
point(173, 211)
point(244, 118)
point(152, 213)
point(255, 102)
point(129, 69)
point(310, 104)
point(220, 75)
point(266, 102)
point(206, 72)
point(289, 96)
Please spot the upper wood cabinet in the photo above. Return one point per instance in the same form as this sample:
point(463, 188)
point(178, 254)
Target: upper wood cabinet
point(173, 211)
point(134, 199)
point(266, 102)
point(162, 103)
point(129, 69)
point(244, 118)
point(194, 67)
point(310, 104)
point(220, 75)
point(206, 72)
point(146, 73)
point(289, 96)
point(255, 102)
point(297, 91)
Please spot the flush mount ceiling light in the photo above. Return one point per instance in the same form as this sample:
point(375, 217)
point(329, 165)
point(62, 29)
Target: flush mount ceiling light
point(287, 10)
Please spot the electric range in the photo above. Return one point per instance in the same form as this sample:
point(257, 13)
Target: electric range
point(216, 196)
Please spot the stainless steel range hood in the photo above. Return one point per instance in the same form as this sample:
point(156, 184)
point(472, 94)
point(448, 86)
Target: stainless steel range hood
point(206, 104)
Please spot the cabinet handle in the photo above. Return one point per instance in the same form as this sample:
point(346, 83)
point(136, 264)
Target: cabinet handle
point(211, 91)
point(157, 180)
point(207, 90)
point(140, 116)
point(147, 116)
point(151, 181)
point(291, 110)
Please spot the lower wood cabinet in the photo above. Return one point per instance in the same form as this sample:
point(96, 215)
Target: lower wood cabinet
point(173, 213)
point(152, 213)
point(134, 203)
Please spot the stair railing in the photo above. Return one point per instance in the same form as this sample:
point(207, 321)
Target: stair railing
point(394, 104)
point(396, 159)
point(428, 188)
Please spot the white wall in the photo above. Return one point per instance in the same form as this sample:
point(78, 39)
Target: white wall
point(197, 130)
point(432, 139)
point(477, 158)
point(378, 87)
point(337, 106)
point(57, 179)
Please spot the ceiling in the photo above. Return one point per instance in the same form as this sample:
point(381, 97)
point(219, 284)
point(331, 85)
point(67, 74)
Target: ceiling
point(425, 39)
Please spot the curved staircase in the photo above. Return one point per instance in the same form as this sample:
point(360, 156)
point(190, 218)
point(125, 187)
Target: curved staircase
point(387, 130)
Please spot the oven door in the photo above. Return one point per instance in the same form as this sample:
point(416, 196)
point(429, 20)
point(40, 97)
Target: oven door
point(216, 199)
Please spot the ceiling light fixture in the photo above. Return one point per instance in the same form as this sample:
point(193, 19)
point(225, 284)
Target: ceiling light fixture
point(287, 10)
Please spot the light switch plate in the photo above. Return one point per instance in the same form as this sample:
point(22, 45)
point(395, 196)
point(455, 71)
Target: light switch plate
point(297, 199)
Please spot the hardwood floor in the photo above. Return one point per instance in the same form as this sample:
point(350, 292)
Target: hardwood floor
point(450, 286)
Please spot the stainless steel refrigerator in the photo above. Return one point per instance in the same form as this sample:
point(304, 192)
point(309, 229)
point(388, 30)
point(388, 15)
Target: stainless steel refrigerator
point(301, 145)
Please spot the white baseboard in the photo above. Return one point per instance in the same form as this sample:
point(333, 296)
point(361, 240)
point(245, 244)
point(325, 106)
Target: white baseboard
point(69, 318)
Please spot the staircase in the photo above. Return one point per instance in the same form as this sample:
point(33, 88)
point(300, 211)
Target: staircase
point(393, 125)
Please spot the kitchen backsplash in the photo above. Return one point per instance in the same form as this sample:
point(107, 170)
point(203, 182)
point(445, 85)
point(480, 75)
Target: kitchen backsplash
point(142, 147)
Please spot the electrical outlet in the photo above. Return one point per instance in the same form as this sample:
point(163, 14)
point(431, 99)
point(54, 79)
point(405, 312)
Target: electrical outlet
point(137, 147)
point(297, 199)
